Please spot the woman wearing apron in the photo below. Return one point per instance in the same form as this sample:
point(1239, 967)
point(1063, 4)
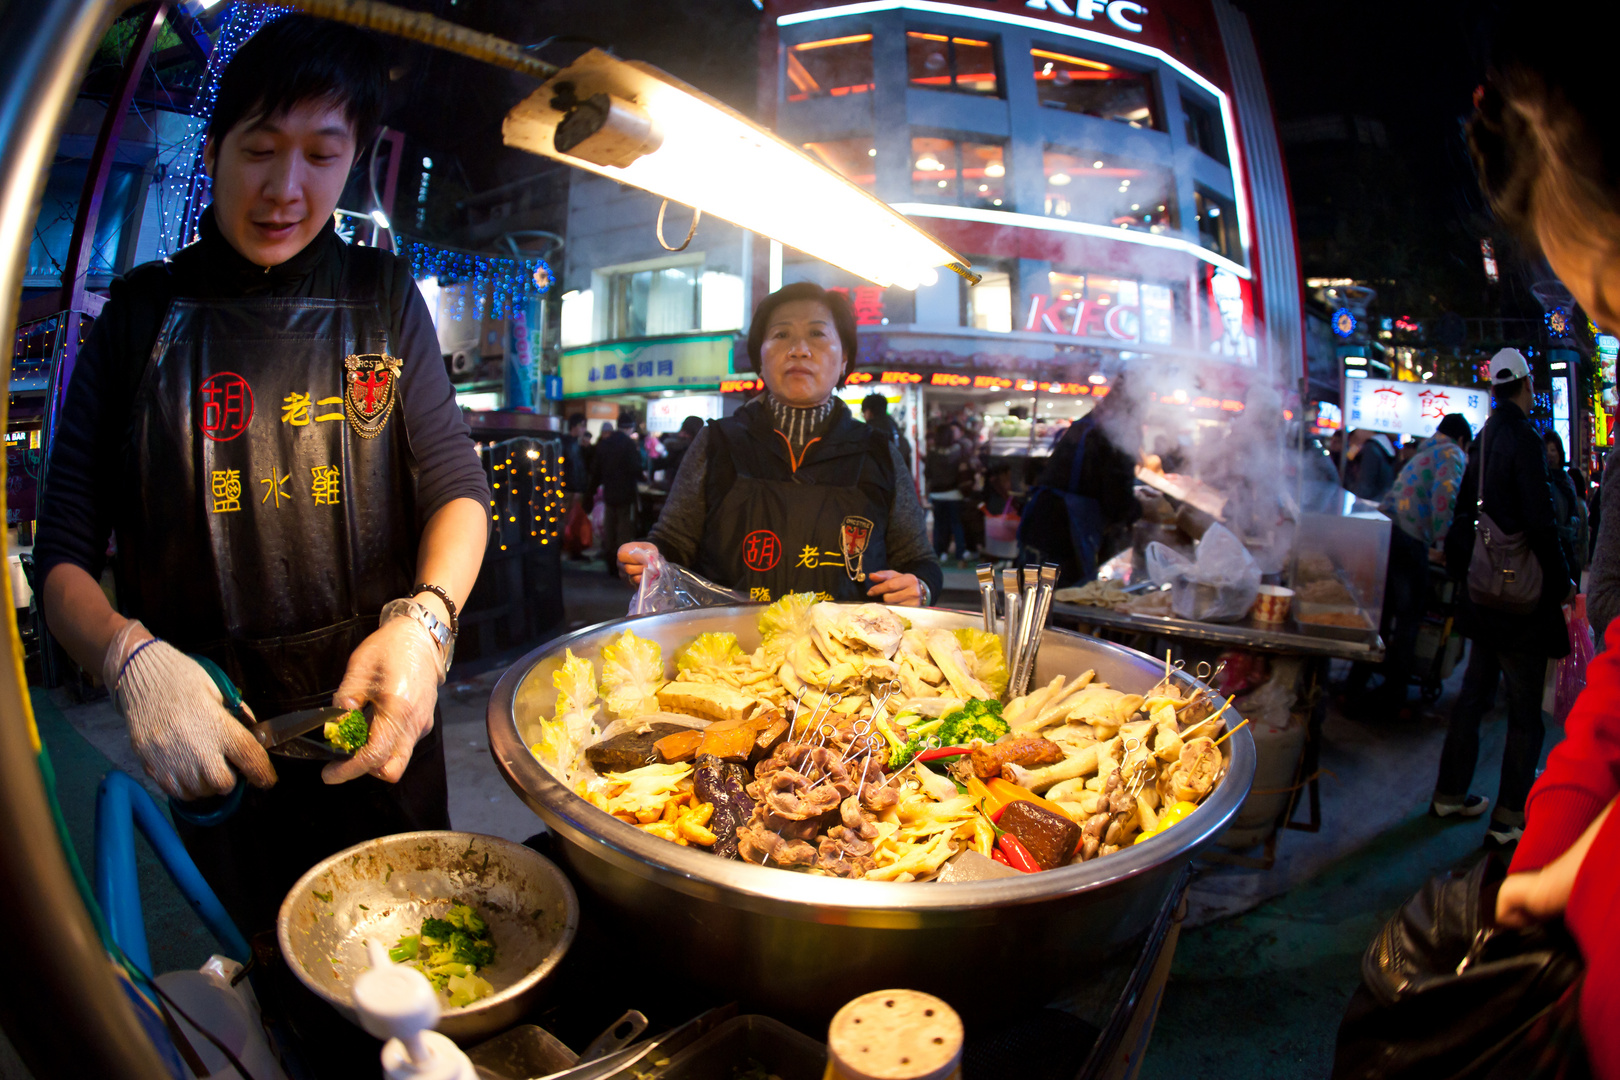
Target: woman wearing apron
point(792, 494)
point(264, 427)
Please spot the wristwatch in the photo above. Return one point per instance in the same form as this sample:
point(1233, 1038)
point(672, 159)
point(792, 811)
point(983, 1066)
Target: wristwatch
point(432, 623)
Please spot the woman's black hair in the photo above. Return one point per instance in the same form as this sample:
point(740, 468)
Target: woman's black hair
point(1545, 126)
point(1454, 426)
point(843, 320)
point(1552, 438)
point(299, 58)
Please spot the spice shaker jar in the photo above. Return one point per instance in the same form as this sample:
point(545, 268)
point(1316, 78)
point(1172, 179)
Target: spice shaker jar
point(895, 1035)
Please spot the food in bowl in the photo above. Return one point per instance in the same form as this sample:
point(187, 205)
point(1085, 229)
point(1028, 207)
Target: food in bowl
point(850, 744)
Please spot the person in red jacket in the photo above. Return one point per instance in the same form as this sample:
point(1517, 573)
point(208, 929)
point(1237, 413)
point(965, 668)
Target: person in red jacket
point(1546, 140)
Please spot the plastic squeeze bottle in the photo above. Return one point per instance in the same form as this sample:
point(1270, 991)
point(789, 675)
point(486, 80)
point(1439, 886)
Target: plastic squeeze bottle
point(398, 1003)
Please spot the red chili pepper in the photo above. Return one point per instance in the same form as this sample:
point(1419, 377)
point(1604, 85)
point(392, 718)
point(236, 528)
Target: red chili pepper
point(943, 752)
point(1018, 856)
point(995, 853)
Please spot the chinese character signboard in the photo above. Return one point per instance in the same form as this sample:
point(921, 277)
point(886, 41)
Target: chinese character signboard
point(1608, 348)
point(1405, 408)
point(694, 362)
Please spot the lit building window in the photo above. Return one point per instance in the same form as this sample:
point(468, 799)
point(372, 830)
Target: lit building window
point(943, 62)
point(1084, 186)
point(1217, 223)
point(960, 173)
point(854, 159)
point(1204, 128)
point(832, 67)
point(988, 305)
point(648, 303)
point(1079, 85)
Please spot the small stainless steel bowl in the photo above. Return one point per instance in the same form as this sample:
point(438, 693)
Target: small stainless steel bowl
point(384, 888)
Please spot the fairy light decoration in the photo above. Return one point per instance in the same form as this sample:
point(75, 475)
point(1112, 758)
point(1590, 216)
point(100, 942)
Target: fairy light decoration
point(497, 284)
point(243, 21)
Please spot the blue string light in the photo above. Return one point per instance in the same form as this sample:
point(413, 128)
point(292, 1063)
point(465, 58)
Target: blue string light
point(243, 22)
point(494, 283)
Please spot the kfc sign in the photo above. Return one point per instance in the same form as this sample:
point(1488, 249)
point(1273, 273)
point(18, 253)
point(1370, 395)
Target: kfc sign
point(1124, 14)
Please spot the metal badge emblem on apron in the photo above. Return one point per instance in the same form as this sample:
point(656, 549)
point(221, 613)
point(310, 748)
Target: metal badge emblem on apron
point(271, 510)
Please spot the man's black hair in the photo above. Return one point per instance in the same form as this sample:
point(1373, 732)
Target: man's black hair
point(691, 426)
point(875, 403)
point(299, 58)
point(575, 419)
point(1455, 427)
point(838, 304)
point(1507, 391)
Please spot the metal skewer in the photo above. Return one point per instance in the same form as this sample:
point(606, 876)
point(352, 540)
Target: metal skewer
point(987, 594)
point(1043, 608)
point(1009, 620)
point(1026, 623)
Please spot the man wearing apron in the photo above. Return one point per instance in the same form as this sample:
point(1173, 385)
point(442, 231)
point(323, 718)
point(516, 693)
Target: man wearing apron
point(264, 426)
point(792, 494)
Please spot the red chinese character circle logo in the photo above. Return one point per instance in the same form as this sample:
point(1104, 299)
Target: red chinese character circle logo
point(224, 406)
point(761, 550)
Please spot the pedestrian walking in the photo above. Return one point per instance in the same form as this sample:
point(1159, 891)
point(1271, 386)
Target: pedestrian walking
point(950, 475)
point(616, 470)
point(1372, 465)
point(1569, 509)
point(1420, 504)
point(1504, 492)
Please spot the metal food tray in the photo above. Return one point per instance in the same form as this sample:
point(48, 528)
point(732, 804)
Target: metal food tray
point(1343, 633)
point(735, 1045)
point(800, 946)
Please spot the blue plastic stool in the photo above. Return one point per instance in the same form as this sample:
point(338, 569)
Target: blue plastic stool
point(121, 806)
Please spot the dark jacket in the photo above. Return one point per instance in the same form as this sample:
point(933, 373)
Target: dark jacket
point(707, 473)
point(86, 492)
point(1517, 498)
point(616, 469)
point(1372, 473)
point(1107, 474)
point(675, 448)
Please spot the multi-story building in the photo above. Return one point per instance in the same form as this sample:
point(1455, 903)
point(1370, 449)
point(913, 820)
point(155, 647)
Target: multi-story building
point(1110, 168)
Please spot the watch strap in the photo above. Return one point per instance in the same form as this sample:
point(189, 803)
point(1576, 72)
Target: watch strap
point(449, 604)
point(437, 630)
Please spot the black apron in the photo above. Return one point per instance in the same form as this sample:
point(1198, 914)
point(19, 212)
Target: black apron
point(275, 517)
point(773, 529)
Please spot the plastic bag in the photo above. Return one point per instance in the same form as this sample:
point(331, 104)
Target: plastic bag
point(1218, 584)
point(577, 533)
point(1571, 673)
point(666, 586)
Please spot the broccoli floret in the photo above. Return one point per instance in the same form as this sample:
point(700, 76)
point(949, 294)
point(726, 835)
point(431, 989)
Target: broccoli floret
point(449, 949)
point(472, 951)
point(980, 718)
point(350, 733)
point(436, 931)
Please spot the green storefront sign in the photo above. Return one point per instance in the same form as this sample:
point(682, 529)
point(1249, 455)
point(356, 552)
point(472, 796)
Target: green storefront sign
point(689, 362)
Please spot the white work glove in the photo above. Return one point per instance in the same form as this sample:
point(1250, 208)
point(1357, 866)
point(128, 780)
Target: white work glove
point(397, 670)
point(178, 724)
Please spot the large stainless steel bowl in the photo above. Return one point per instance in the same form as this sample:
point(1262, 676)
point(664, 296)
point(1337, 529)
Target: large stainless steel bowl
point(384, 888)
point(804, 945)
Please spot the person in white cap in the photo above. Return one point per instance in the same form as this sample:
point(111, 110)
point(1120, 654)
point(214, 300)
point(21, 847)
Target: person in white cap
point(1506, 481)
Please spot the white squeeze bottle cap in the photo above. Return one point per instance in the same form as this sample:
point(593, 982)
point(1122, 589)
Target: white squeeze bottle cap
point(398, 1003)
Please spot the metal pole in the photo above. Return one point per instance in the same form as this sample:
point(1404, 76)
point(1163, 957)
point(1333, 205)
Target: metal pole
point(82, 247)
point(70, 1016)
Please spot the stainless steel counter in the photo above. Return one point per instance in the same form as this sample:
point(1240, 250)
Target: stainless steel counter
point(1248, 634)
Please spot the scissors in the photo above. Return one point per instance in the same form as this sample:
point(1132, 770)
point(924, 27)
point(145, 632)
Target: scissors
point(287, 735)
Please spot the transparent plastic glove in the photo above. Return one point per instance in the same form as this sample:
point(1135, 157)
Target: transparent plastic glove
point(178, 724)
point(397, 670)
